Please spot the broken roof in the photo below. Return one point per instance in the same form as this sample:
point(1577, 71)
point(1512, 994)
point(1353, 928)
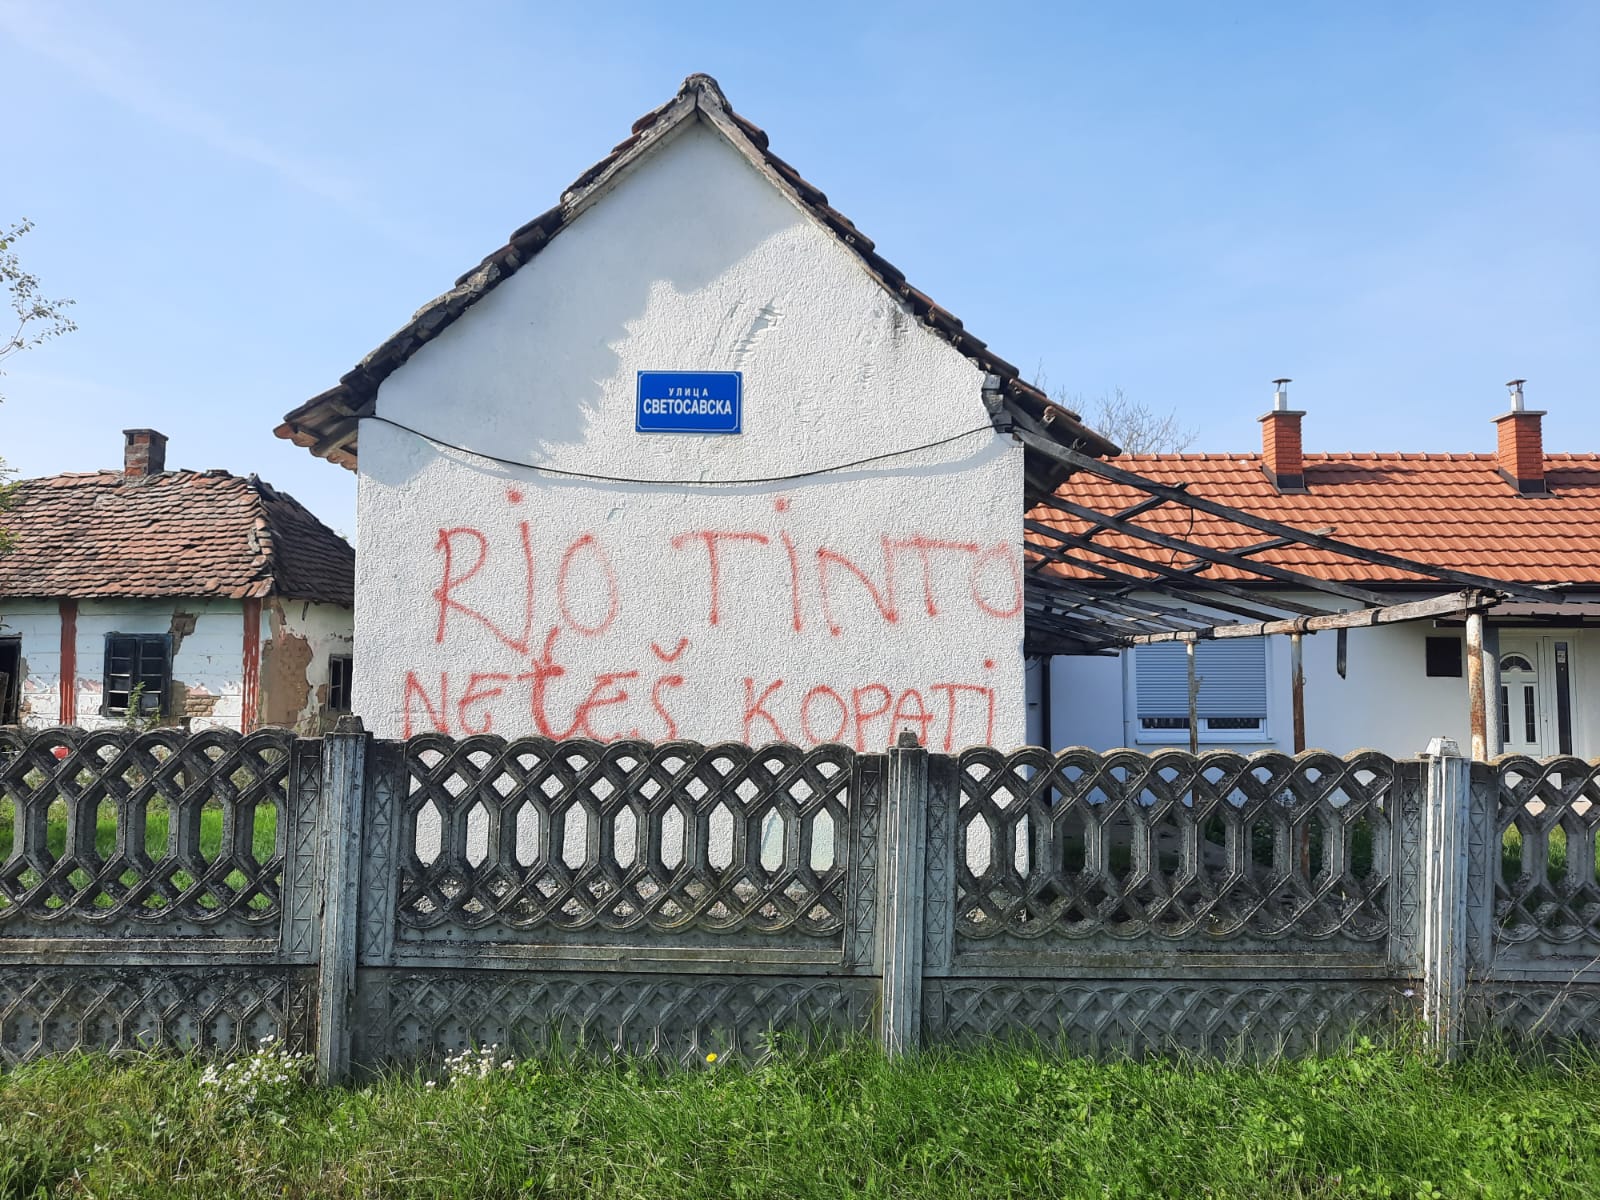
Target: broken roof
point(104, 534)
point(327, 424)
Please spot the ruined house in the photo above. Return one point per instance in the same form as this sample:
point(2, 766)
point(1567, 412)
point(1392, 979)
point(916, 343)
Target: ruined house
point(193, 598)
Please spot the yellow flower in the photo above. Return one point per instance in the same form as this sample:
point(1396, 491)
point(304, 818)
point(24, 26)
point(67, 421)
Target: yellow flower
point(712, 1057)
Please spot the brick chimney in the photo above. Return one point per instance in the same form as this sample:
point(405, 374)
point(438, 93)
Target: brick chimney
point(1280, 442)
point(144, 452)
point(1520, 456)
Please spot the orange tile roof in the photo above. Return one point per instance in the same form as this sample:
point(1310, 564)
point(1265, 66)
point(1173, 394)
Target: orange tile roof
point(177, 533)
point(1452, 510)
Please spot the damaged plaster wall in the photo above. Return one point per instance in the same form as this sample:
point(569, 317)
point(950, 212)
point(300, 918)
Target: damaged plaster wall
point(38, 624)
point(207, 657)
point(297, 640)
point(207, 688)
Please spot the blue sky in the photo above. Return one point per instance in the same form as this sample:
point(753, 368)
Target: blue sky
point(1396, 205)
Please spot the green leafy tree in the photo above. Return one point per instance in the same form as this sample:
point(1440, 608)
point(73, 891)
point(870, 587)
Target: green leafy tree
point(37, 320)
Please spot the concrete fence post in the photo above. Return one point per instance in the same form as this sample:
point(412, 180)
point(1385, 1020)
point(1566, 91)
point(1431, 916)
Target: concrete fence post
point(1446, 836)
point(344, 769)
point(902, 874)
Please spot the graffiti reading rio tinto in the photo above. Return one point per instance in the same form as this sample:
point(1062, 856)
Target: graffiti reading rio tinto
point(830, 594)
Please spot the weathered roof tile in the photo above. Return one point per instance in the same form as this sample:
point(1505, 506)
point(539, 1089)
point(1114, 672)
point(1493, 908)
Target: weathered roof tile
point(178, 533)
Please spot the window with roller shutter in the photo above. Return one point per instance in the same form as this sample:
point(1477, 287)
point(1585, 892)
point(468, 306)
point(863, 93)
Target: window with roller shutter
point(1233, 690)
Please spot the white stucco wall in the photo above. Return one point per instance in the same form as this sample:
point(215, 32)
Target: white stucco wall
point(842, 606)
point(1387, 701)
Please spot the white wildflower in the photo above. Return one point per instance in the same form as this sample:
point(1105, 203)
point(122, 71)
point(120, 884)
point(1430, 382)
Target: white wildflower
point(260, 1083)
point(473, 1064)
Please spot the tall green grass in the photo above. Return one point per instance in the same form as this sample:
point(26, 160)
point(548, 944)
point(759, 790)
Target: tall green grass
point(1373, 1122)
point(263, 839)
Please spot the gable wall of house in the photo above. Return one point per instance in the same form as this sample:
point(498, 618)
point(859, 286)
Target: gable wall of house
point(492, 598)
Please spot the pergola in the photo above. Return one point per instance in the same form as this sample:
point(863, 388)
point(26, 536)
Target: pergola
point(1097, 582)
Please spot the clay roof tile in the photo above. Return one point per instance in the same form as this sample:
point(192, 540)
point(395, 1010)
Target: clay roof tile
point(179, 533)
point(1450, 510)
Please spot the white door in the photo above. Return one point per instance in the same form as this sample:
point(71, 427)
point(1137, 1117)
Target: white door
point(1523, 719)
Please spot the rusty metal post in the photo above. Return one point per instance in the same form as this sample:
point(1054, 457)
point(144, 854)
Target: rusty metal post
point(1491, 689)
point(69, 661)
point(1477, 707)
point(1297, 688)
point(1194, 699)
point(344, 770)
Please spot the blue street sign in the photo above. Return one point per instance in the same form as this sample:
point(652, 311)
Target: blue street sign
point(690, 402)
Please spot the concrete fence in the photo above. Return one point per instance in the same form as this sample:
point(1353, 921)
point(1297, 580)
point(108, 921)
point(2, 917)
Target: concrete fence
point(382, 901)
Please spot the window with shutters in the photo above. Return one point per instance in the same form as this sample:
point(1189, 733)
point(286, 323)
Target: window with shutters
point(137, 661)
point(1233, 691)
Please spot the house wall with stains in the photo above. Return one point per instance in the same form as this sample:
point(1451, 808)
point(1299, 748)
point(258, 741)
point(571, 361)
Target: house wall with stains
point(750, 587)
point(207, 687)
point(37, 626)
point(207, 663)
point(298, 640)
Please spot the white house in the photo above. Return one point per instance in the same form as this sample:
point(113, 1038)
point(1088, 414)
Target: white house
point(1517, 514)
point(193, 598)
point(686, 458)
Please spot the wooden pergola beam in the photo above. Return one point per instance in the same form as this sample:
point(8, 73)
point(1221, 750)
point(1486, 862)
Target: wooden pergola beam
point(1079, 598)
point(1452, 604)
point(1158, 570)
point(1132, 583)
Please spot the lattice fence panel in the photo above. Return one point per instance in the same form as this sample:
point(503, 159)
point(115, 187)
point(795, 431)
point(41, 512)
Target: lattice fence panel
point(540, 836)
point(1547, 888)
point(412, 1015)
point(1217, 1018)
point(1551, 1012)
point(161, 832)
point(1215, 848)
point(216, 1009)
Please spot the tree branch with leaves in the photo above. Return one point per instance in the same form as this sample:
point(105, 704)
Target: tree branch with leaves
point(37, 321)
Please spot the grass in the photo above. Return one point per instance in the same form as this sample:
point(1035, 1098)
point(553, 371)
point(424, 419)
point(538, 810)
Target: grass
point(1372, 1122)
point(1556, 869)
point(263, 837)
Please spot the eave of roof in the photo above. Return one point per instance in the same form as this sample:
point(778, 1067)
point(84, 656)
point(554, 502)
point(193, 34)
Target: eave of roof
point(209, 534)
point(327, 424)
